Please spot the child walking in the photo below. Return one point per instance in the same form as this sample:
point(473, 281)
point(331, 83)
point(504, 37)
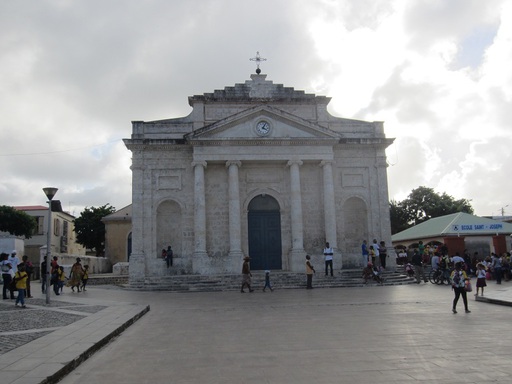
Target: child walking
point(480, 278)
point(267, 281)
point(85, 277)
point(20, 279)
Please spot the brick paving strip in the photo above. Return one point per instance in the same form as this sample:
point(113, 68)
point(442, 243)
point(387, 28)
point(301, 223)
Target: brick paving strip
point(41, 344)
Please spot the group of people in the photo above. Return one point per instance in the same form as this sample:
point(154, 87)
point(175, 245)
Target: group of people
point(78, 276)
point(16, 277)
point(373, 252)
point(167, 256)
point(310, 270)
point(457, 270)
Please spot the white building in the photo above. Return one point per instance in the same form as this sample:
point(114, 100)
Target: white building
point(63, 237)
point(255, 169)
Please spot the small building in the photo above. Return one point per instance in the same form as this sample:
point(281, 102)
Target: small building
point(63, 237)
point(459, 231)
point(118, 235)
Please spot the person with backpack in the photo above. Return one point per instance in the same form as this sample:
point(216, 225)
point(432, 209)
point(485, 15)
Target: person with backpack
point(459, 278)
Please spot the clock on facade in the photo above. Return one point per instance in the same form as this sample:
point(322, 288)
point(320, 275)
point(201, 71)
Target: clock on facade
point(263, 128)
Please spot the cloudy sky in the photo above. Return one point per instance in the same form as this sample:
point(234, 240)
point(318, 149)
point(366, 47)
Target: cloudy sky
point(74, 74)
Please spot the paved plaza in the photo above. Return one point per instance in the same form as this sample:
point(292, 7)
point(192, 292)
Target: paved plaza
point(390, 334)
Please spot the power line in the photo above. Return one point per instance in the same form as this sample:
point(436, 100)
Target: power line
point(60, 151)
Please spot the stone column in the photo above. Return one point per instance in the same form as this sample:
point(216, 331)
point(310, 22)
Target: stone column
point(383, 230)
point(330, 212)
point(199, 216)
point(235, 247)
point(137, 270)
point(297, 252)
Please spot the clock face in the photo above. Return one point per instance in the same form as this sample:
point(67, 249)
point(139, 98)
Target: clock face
point(263, 128)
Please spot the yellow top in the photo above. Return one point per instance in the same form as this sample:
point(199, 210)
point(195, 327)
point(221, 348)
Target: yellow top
point(21, 280)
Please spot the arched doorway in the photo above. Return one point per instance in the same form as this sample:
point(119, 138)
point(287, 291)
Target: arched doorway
point(264, 226)
point(168, 227)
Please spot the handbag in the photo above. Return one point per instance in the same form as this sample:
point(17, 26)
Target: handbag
point(468, 287)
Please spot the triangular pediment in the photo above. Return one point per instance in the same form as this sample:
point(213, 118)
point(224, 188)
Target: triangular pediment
point(263, 122)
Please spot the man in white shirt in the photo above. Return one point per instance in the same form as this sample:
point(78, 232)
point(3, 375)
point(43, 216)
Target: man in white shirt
point(13, 260)
point(376, 249)
point(457, 259)
point(328, 252)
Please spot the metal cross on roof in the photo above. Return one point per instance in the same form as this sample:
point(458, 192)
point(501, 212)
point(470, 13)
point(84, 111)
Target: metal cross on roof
point(258, 59)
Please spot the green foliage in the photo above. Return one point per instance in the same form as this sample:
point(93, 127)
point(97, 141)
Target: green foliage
point(16, 222)
point(423, 204)
point(90, 230)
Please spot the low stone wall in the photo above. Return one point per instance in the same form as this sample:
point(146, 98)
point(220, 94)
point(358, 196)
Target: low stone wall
point(121, 269)
point(96, 264)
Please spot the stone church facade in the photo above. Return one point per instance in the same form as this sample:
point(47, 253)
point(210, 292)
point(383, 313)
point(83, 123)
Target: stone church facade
point(257, 170)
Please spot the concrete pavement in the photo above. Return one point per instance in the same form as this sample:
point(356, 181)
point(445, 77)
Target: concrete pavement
point(342, 335)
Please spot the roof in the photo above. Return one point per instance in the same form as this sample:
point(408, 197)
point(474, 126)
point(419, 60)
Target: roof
point(30, 207)
point(120, 215)
point(454, 224)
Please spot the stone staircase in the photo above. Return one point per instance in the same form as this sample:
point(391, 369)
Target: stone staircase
point(279, 280)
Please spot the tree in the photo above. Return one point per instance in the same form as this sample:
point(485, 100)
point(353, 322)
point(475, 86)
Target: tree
point(90, 230)
point(16, 222)
point(399, 217)
point(423, 204)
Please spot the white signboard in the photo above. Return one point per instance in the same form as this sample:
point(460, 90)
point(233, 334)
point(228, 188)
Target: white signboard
point(477, 227)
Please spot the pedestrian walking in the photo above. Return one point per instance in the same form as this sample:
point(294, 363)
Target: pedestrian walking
point(85, 277)
point(75, 275)
point(459, 279)
point(267, 281)
point(20, 279)
point(246, 275)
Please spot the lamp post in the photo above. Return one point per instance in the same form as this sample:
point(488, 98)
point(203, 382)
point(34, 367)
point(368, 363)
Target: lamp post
point(50, 193)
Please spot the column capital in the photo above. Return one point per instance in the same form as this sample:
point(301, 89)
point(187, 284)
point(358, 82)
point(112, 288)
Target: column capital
point(200, 163)
point(293, 162)
point(323, 163)
point(238, 163)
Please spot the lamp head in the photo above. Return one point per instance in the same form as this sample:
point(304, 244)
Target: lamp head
point(50, 192)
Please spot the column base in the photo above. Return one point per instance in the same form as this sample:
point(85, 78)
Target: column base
point(200, 263)
point(297, 260)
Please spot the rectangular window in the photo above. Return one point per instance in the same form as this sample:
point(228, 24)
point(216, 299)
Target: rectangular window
point(39, 229)
point(56, 227)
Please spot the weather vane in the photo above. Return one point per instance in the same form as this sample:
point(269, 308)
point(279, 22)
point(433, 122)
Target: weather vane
point(258, 59)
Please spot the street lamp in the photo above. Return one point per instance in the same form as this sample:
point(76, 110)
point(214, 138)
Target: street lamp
point(50, 193)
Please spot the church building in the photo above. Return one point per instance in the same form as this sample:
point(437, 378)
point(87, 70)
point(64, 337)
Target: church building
point(260, 170)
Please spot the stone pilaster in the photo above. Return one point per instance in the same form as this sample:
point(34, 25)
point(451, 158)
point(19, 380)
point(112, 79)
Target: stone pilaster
point(137, 270)
point(330, 212)
point(235, 235)
point(297, 252)
point(200, 254)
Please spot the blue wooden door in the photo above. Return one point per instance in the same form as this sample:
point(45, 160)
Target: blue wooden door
point(265, 240)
